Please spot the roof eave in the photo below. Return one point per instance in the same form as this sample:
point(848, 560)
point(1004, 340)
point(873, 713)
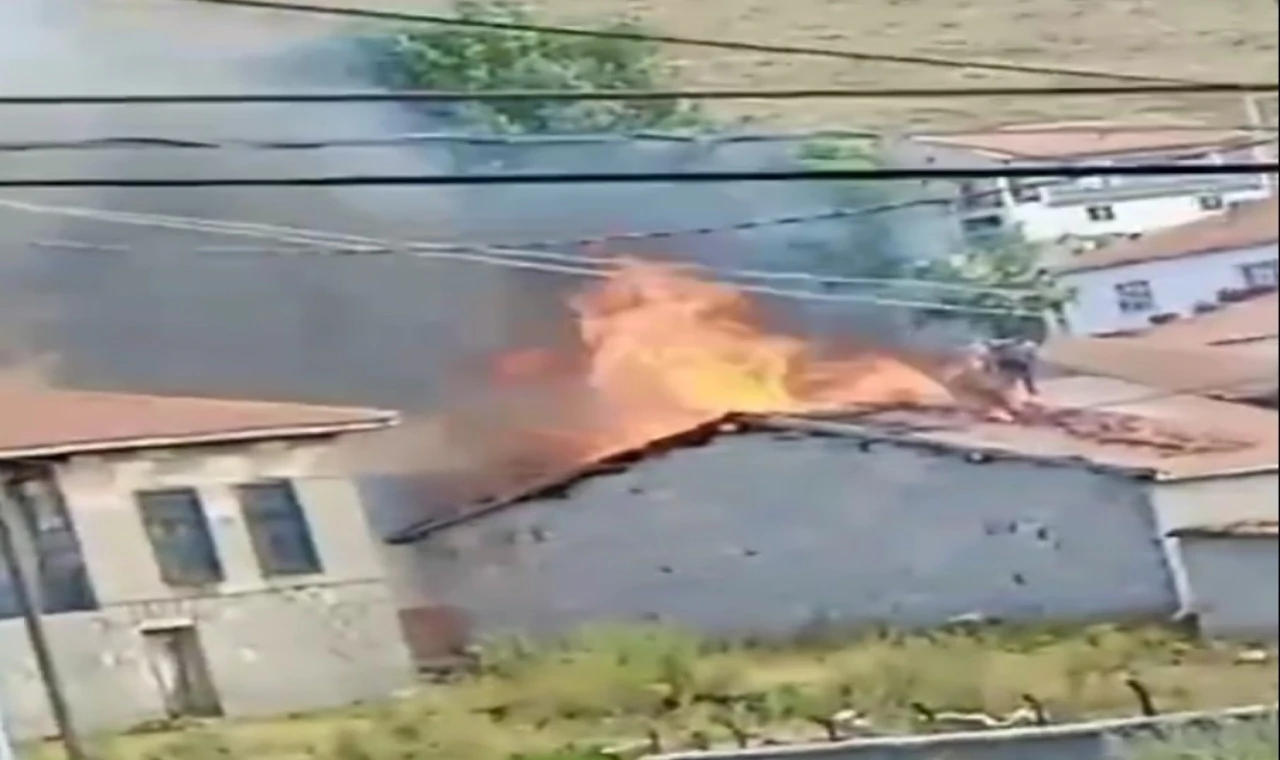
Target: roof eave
point(1070, 269)
point(58, 451)
point(1228, 472)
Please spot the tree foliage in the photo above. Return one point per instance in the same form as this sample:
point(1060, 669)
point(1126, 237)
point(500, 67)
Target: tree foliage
point(478, 59)
point(1012, 265)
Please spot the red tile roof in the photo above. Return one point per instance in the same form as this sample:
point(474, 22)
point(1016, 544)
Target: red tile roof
point(1085, 139)
point(1171, 364)
point(39, 422)
point(1248, 225)
point(1254, 319)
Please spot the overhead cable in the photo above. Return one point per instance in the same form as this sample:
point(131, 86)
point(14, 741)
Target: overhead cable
point(754, 47)
point(149, 142)
point(560, 178)
point(323, 243)
point(602, 265)
point(489, 96)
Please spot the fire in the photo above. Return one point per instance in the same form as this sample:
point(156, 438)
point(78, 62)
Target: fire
point(664, 350)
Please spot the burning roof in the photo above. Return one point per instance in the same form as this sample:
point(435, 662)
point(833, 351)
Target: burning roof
point(1134, 446)
point(667, 360)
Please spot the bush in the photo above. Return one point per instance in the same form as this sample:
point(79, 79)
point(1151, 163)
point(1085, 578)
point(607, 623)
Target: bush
point(479, 60)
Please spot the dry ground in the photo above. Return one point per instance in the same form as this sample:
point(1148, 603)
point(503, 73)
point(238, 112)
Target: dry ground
point(612, 685)
point(1224, 40)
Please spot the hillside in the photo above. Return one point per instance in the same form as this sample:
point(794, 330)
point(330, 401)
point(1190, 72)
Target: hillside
point(1222, 40)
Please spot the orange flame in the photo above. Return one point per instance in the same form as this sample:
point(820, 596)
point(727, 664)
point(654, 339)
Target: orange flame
point(665, 351)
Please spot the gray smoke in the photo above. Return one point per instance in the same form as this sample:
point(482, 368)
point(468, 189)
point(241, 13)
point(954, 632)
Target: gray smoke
point(350, 330)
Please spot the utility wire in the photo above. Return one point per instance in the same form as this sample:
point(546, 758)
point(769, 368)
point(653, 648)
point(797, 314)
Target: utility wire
point(755, 47)
point(604, 266)
point(509, 262)
point(559, 178)
point(144, 142)
point(324, 242)
point(489, 96)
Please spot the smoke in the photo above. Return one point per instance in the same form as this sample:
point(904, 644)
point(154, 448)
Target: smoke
point(401, 333)
point(165, 320)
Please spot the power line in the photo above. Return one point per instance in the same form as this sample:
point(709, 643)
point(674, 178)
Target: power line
point(755, 47)
point(598, 265)
point(559, 178)
point(488, 96)
point(481, 257)
point(325, 241)
point(147, 142)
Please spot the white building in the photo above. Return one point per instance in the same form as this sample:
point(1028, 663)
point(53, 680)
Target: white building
point(1051, 209)
point(1173, 273)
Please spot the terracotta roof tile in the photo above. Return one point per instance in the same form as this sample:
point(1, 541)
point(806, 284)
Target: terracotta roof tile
point(1255, 319)
point(38, 422)
point(1248, 225)
point(1167, 364)
point(1083, 139)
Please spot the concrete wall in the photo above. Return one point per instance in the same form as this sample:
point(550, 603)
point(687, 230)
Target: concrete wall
point(1234, 583)
point(1095, 740)
point(1177, 285)
point(335, 634)
point(1209, 501)
point(758, 534)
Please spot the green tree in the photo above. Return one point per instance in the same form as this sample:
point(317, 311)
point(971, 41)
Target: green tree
point(478, 60)
point(1011, 265)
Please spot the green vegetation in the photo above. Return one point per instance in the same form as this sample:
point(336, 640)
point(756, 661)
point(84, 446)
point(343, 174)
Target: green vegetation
point(1007, 265)
point(479, 60)
point(618, 686)
point(1239, 743)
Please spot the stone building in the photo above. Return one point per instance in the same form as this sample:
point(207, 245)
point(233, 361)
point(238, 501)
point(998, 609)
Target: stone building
point(193, 557)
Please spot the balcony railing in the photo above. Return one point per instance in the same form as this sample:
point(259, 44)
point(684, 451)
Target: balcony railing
point(1113, 189)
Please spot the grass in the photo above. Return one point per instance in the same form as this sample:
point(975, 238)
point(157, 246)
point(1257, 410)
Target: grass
point(1240, 743)
point(1222, 40)
point(608, 686)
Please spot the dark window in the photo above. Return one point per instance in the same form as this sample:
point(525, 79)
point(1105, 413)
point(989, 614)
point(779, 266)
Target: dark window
point(1100, 213)
point(1261, 274)
point(1135, 297)
point(180, 537)
point(1211, 202)
point(63, 577)
point(278, 528)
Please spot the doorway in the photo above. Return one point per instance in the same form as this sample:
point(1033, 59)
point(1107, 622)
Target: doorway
point(176, 659)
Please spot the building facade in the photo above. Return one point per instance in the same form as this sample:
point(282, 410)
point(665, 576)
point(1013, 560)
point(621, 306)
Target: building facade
point(1173, 273)
point(193, 558)
point(1053, 208)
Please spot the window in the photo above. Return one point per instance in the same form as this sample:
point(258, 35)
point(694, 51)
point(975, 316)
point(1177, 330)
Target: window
point(1261, 274)
point(180, 537)
point(983, 225)
point(278, 528)
point(1135, 297)
point(63, 577)
point(1211, 202)
point(1100, 213)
